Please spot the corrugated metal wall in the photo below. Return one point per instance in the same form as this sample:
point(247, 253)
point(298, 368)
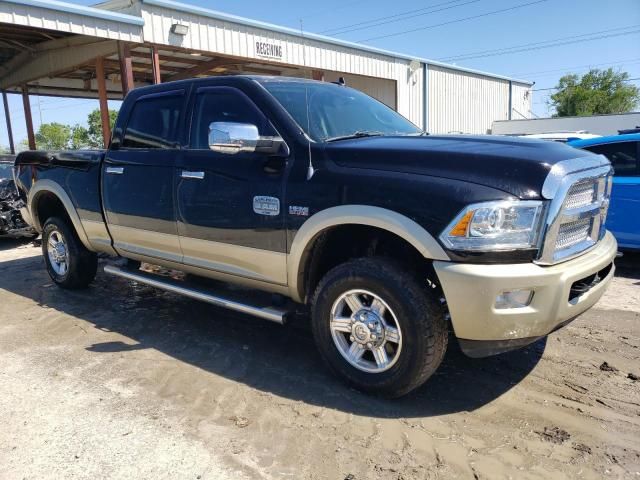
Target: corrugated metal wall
point(380, 88)
point(410, 92)
point(521, 101)
point(32, 16)
point(213, 35)
point(227, 38)
point(464, 102)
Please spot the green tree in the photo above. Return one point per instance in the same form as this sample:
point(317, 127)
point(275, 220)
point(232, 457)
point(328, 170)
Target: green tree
point(94, 130)
point(53, 136)
point(595, 93)
point(79, 137)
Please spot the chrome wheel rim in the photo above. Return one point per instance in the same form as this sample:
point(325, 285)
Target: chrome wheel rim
point(58, 253)
point(366, 331)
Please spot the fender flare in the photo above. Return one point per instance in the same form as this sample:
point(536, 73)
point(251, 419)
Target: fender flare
point(49, 186)
point(378, 217)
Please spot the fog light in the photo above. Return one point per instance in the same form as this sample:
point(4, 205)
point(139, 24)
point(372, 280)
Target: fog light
point(514, 299)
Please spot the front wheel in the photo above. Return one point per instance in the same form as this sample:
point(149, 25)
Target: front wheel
point(378, 327)
point(69, 263)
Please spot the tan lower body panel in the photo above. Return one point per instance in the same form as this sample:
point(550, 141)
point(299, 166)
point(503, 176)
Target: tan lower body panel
point(471, 291)
point(128, 240)
point(262, 265)
point(213, 274)
point(98, 236)
point(202, 257)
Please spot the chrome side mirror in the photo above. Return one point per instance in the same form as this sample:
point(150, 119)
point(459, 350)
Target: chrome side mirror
point(232, 137)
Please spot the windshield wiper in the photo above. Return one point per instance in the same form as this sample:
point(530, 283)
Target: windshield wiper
point(358, 134)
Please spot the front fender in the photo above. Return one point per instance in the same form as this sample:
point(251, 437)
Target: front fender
point(378, 217)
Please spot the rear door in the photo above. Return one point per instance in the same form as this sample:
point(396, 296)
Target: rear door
point(230, 215)
point(624, 212)
point(138, 178)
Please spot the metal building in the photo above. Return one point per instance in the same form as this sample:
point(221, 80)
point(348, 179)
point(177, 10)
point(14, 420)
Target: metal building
point(55, 48)
point(609, 124)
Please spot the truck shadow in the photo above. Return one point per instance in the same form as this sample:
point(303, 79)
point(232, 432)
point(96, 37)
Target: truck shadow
point(9, 243)
point(280, 360)
point(629, 264)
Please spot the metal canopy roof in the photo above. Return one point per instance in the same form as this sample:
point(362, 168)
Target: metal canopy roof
point(75, 75)
point(93, 12)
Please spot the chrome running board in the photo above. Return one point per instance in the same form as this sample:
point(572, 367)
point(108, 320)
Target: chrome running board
point(266, 312)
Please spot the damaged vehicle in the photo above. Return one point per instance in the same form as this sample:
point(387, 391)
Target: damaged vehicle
point(11, 222)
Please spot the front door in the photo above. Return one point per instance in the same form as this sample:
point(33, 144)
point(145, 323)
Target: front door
point(138, 178)
point(230, 205)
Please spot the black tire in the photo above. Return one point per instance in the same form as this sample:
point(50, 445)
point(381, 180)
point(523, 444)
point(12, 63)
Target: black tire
point(82, 264)
point(418, 312)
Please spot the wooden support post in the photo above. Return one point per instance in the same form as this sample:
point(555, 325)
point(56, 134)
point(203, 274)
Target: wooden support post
point(155, 64)
point(7, 117)
point(317, 75)
point(126, 68)
point(104, 105)
point(27, 118)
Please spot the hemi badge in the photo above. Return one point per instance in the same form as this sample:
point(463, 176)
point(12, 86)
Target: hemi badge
point(299, 211)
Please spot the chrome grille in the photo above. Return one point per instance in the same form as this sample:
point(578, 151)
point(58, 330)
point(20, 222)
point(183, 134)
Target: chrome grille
point(581, 194)
point(572, 233)
point(579, 190)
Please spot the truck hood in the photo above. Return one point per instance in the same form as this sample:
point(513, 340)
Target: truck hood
point(514, 165)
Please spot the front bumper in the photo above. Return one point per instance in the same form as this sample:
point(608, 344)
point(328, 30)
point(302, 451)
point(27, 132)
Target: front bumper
point(471, 291)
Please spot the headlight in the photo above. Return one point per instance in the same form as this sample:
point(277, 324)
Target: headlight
point(494, 226)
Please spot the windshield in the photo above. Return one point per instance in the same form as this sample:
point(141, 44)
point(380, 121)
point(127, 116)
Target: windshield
point(6, 170)
point(336, 111)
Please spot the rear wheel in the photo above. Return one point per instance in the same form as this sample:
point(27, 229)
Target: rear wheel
point(69, 263)
point(378, 327)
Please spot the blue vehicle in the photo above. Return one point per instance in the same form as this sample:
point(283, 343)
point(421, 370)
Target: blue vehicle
point(623, 151)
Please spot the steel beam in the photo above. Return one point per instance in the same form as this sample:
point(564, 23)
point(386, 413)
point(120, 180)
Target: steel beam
point(7, 117)
point(203, 68)
point(104, 105)
point(155, 64)
point(31, 138)
point(126, 67)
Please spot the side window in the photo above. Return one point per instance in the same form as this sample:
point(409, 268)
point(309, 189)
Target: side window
point(622, 155)
point(224, 105)
point(153, 122)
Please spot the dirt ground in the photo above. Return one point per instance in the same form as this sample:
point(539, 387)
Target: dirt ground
point(123, 381)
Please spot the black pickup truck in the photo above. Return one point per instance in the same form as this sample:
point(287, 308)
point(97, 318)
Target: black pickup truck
point(318, 193)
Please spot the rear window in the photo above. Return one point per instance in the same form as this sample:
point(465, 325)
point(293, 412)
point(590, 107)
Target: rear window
point(153, 122)
point(622, 155)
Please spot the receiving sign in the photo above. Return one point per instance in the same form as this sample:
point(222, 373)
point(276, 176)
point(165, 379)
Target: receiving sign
point(269, 50)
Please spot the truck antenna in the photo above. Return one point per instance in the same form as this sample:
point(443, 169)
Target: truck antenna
point(310, 170)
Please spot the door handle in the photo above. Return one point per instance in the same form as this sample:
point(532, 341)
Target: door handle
point(115, 170)
point(188, 174)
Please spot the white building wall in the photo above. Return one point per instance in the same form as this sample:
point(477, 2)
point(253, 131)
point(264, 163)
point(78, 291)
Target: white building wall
point(37, 17)
point(464, 102)
point(521, 101)
point(381, 88)
point(410, 92)
point(208, 34)
point(596, 124)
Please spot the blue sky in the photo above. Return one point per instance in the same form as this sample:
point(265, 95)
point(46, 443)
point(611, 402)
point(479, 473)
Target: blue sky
point(544, 20)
